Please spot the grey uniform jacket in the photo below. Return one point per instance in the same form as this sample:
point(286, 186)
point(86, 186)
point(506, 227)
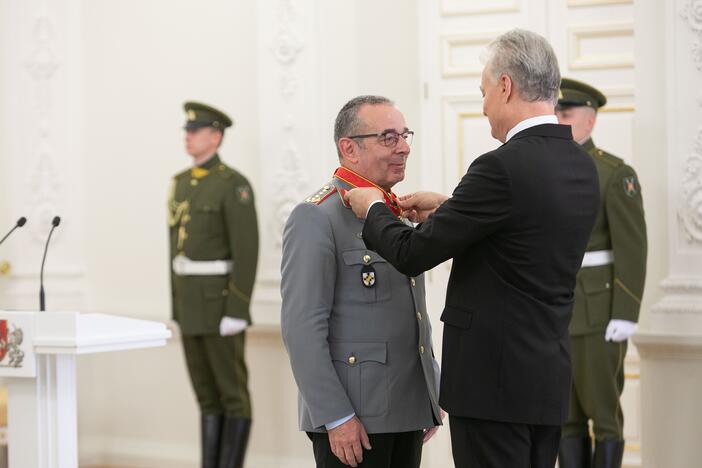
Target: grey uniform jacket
point(353, 349)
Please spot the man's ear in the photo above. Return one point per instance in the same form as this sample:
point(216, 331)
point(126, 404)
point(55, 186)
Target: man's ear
point(592, 121)
point(506, 87)
point(348, 150)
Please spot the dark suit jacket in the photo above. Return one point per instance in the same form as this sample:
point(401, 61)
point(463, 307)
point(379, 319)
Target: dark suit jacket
point(516, 227)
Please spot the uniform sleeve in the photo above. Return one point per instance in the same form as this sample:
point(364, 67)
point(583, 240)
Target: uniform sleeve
point(308, 273)
point(171, 245)
point(625, 215)
point(242, 233)
point(480, 204)
point(172, 275)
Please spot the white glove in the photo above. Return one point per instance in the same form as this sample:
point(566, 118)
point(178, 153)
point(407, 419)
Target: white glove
point(231, 326)
point(619, 330)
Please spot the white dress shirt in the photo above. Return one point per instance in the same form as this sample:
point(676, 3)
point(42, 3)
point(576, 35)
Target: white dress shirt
point(531, 122)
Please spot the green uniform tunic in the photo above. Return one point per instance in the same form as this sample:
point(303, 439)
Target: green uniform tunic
point(603, 293)
point(212, 218)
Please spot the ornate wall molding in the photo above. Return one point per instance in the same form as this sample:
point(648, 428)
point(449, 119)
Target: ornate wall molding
point(288, 187)
point(287, 48)
point(612, 58)
point(475, 7)
point(585, 3)
point(452, 66)
point(692, 13)
point(690, 212)
point(43, 177)
point(682, 285)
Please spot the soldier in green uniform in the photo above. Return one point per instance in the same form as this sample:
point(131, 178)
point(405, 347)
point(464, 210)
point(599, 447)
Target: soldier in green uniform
point(214, 254)
point(607, 295)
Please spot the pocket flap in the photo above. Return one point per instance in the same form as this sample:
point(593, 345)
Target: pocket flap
point(596, 286)
point(596, 279)
point(457, 317)
point(360, 352)
point(361, 257)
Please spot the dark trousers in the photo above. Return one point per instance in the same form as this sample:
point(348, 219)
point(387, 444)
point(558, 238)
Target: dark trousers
point(479, 443)
point(218, 374)
point(392, 450)
point(598, 382)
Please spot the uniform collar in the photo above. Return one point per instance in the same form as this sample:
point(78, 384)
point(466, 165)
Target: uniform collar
point(210, 163)
point(589, 145)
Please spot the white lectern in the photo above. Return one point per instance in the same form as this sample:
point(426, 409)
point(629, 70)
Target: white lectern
point(38, 363)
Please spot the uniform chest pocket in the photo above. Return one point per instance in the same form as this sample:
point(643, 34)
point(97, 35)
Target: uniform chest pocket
point(206, 218)
point(365, 277)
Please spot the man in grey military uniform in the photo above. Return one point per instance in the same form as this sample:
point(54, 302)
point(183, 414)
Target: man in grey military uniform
point(214, 254)
point(357, 330)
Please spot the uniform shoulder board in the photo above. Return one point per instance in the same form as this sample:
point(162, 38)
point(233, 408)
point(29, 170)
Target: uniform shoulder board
point(181, 174)
point(608, 158)
point(225, 171)
point(322, 194)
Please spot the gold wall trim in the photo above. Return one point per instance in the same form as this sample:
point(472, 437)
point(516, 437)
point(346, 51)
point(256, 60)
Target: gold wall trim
point(467, 10)
point(614, 109)
point(581, 3)
point(578, 61)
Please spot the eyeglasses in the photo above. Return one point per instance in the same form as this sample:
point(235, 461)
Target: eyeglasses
point(389, 138)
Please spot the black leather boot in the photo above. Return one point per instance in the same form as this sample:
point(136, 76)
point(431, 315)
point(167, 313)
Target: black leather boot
point(211, 428)
point(235, 437)
point(575, 452)
point(609, 453)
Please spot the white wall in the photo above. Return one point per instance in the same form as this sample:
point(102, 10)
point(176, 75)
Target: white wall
point(141, 60)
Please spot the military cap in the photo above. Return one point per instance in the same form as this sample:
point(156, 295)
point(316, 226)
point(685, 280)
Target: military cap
point(575, 93)
point(201, 115)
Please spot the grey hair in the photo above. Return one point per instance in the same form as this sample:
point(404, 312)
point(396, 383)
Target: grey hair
point(529, 60)
point(347, 121)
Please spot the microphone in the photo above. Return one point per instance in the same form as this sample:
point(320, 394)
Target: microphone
point(42, 303)
point(20, 222)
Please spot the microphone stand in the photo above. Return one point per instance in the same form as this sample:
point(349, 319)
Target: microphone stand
point(42, 302)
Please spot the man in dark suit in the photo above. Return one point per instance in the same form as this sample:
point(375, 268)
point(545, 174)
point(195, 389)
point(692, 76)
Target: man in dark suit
point(516, 227)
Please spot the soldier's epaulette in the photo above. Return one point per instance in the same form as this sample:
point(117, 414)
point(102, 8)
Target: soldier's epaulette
point(322, 194)
point(607, 158)
point(225, 171)
point(182, 174)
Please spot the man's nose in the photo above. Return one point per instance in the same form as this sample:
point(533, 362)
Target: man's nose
point(402, 146)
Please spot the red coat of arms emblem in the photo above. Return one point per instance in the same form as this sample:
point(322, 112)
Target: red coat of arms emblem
point(3, 339)
point(10, 342)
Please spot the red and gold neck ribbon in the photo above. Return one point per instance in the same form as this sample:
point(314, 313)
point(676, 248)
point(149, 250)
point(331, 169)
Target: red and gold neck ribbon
point(355, 180)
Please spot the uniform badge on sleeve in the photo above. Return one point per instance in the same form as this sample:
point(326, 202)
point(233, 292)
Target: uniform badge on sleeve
point(368, 276)
point(629, 184)
point(244, 193)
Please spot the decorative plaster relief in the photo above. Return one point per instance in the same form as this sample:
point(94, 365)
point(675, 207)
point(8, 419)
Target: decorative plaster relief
point(692, 12)
point(286, 49)
point(43, 176)
point(289, 182)
point(286, 45)
point(690, 214)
